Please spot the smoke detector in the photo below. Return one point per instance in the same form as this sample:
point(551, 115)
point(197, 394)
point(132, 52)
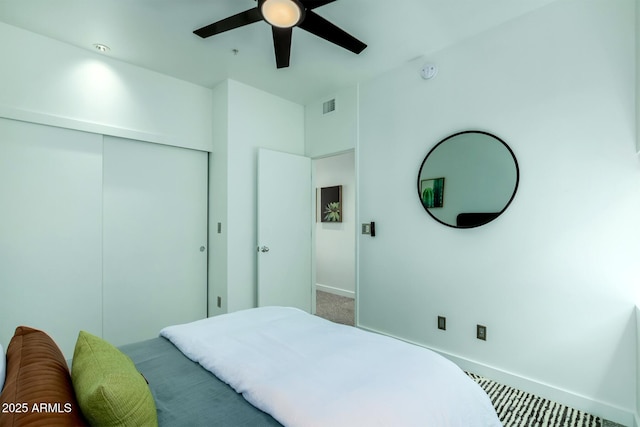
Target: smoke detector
point(429, 71)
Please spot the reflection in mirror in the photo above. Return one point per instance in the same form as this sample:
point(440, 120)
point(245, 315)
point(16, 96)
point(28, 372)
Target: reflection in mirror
point(468, 179)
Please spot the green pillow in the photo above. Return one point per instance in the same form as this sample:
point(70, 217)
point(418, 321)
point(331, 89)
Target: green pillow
point(109, 388)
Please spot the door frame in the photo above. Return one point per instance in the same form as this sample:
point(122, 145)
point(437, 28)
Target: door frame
point(314, 234)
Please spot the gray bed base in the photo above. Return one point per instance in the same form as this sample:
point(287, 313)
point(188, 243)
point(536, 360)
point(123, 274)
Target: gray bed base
point(188, 395)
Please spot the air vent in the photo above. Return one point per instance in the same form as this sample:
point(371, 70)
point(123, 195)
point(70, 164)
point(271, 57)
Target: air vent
point(329, 106)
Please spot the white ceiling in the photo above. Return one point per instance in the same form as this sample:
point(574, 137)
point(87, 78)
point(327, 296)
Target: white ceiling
point(157, 34)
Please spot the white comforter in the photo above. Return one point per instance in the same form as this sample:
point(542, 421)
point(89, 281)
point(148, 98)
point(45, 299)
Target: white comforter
point(307, 371)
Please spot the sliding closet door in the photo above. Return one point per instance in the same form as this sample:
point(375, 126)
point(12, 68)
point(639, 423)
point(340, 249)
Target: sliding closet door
point(155, 237)
point(50, 231)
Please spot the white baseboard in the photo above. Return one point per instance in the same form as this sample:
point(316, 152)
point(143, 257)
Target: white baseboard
point(565, 397)
point(335, 291)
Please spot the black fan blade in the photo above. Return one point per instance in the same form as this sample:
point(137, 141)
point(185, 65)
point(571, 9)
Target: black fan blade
point(317, 25)
point(312, 4)
point(241, 19)
point(282, 45)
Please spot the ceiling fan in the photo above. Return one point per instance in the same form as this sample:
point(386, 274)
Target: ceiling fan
point(283, 15)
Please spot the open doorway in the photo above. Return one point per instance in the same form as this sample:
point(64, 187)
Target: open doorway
point(335, 247)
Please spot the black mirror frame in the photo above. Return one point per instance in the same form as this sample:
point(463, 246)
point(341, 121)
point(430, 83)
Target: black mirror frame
point(489, 218)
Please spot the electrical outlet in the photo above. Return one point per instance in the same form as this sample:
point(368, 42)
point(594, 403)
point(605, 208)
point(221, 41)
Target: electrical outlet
point(442, 323)
point(481, 332)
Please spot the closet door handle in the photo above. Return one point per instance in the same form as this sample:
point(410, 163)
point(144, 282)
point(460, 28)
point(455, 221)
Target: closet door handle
point(264, 249)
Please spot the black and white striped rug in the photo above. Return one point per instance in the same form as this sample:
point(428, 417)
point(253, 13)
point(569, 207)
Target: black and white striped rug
point(517, 408)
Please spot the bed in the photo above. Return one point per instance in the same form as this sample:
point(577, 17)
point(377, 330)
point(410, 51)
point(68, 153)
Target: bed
point(265, 367)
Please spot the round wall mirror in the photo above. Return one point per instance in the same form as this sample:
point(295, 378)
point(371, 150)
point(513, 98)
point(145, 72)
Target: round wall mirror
point(468, 179)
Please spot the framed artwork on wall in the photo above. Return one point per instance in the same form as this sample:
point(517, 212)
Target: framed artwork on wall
point(432, 192)
point(330, 204)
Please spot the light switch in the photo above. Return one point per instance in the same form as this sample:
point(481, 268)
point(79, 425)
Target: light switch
point(366, 228)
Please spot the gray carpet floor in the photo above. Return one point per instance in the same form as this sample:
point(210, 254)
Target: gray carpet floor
point(336, 308)
point(515, 408)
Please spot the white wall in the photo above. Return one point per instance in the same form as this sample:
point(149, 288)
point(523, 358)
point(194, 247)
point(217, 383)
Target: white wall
point(334, 132)
point(637, 34)
point(253, 119)
point(553, 278)
point(49, 82)
point(638, 367)
point(218, 192)
point(637, 78)
point(335, 242)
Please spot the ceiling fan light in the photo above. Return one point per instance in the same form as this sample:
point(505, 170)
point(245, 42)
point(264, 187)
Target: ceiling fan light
point(281, 13)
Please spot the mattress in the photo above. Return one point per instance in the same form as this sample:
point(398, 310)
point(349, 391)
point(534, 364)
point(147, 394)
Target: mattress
point(188, 395)
point(307, 371)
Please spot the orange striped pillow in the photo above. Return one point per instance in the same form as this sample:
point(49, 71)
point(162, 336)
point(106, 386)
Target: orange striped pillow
point(38, 389)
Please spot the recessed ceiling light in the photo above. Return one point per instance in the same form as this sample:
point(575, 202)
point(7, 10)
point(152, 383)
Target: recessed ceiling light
point(102, 47)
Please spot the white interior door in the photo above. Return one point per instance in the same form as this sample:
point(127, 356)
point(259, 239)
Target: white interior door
point(284, 230)
point(155, 237)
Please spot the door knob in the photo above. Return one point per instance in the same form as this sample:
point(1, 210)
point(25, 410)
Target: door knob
point(264, 249)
